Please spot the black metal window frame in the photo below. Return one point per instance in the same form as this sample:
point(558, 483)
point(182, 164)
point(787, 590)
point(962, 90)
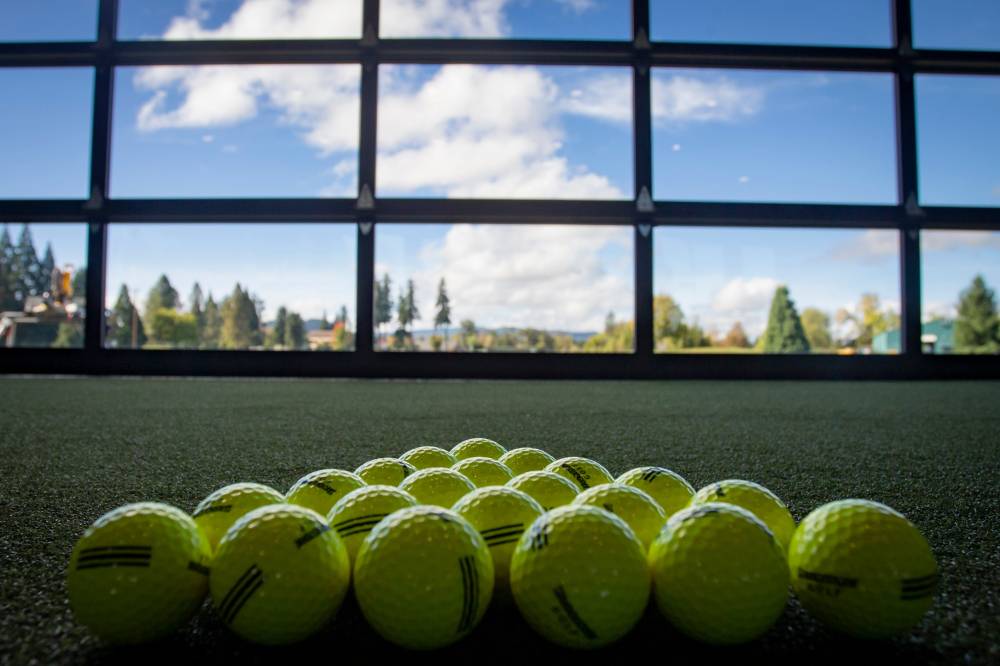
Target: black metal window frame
point(641, 55)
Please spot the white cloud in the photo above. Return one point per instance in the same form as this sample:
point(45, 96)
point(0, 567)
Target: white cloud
point(870, 245)
point(578, 6)
point(606, 97)
point(546, 276)
point(741, 295)
point(676, 147)
point(680, 98)
point(937, 241)
point(443, 18)
point(273, 19)
point(744, 179)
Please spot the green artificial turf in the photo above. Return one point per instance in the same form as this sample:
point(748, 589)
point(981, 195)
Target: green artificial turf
point(72, 449)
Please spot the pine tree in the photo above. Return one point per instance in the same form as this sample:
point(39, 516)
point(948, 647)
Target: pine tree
point(240, 324)
point(342, 317)
point(977, 329)
point(411, 301)
point(43, 279)
point(784, 332)
point(80, 283)
point(442, 317)
point(196, 308)
point(295, 331)
point(212, 328)
point(126, 329)
point(324, 323)
point(276, 336)
point(24, 267)
point(162, 295)
point(6, 276)
point(383, 303)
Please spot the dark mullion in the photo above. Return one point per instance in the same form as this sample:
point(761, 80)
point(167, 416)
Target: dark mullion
point(906, 159)
point(643, 191)
point(100, 149)
point(364, 339)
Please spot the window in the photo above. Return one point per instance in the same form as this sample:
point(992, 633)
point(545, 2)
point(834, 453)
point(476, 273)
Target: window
point(520, 288)
point(773, 136)
point(43, 284)
point(961, 272)
point(749, 290)
point(45, 141)
point(957, 140)
point(48, 21)
point(239, 19)
point(521, 19)
point(956, 24)
point(230, 286)
point(230, 131)
point(505, 132)
point(806, 22)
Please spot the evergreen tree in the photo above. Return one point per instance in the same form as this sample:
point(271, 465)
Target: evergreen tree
point(80, 283)
point(276, 336)
point(977, 328)
point(126, 329)
point(411, 301)
point(240, 324)
point(174, 328)
point(324, 323)
point(736, 337)
point(342, 317)
point(196, 308)
point(383, 302)
point(295, 331)
point(442, 317)
point(24, 267)
point(784, 332)
point(212, 328)
point(43, 279)
point(6, 275)
point(816, 324)
point(68, 335)
point(162, 296)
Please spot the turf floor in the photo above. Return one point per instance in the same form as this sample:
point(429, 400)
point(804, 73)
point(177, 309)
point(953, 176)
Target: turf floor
point(71, 449)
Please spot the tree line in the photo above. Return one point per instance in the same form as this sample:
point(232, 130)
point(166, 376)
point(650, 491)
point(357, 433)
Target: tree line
point(24, 274)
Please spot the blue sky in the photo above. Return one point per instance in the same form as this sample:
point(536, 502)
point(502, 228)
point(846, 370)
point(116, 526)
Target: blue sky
point(519, 131)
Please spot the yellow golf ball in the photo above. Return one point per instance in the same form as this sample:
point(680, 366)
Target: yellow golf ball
point(547, 488)
point(321, 489)
point(635, 507)
point(385, 471)
point(424, 457)
point(437, 486)
point(217, 512)
point(477, 446)
point(484, 471)
point(526, 459)
point(356, 513)
point(756, 499)
point(583, 472)
point(669, 489)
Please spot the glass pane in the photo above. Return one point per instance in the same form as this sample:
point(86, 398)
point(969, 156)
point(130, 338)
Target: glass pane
point(48, 21)
point(820, 137)
point(45, 142)
point(493, 132)
point(750, 291)
point(957, 140)
point(239, 19)
point(960, 272)
point(520, 19)
point(43, 284)
point(956, 24)
point(231, 286)
point(236, 131)
point(808, 22)
point(505, 288)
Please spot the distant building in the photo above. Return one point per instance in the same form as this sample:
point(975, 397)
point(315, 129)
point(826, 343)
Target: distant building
point(936, 337)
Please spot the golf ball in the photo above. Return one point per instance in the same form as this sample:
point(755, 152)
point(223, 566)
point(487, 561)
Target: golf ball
point(526, 459)
point(217, 512)
point(500, 515)
point(547, 488)
point(583, 472)
point(484, 471)
point(356, 513)
point(635, 507)
point(719, 575)
point(862, 568)
point(423, 577)
point(280, 575)
point(579, 577)
point(437, 486)
point(756, 499)
point(321, 489)
point(669, 489)
point(424, 457)
point(385, 471)
point(138, 573)
point(477, 446)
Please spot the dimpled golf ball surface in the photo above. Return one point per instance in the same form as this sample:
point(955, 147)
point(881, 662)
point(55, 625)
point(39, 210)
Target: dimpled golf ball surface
point(669, 489)
point(423, 577)
point(355, 514)
point(501, 515)
point(756, 499)
point(862, 568)
point(385, 471)
point(526, 459)
point(477, 446)
point(217, 512)
point(719, 576)
point(321, 489)
point(547, 488)
point(635, 507)
point(583, 472)
point(437, 486)
point(579, 577)
point(425, 457)
point(280, 575)
point(138, 573)
point(484, 471)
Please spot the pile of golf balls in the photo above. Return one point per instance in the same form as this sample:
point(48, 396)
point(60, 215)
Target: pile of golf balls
point(431, 539)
